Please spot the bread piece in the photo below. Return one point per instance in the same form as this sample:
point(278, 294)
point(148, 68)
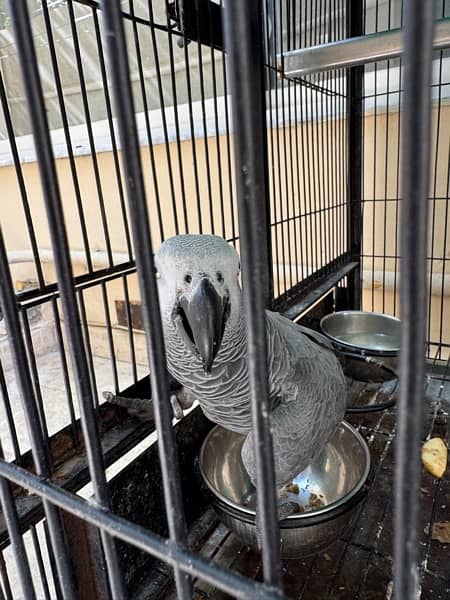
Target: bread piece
point(434, 456)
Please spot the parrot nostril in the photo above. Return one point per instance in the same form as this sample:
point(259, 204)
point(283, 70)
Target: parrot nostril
point(188, 278)
point(219, 277)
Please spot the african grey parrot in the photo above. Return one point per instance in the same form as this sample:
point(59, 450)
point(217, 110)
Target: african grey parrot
point(204, 332)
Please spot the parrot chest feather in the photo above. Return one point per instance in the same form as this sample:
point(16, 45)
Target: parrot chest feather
point(223, 394)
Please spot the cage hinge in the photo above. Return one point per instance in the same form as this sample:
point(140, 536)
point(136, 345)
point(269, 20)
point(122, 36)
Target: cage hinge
point(198, 21)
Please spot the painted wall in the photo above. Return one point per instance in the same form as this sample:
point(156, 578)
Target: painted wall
point(204, 194)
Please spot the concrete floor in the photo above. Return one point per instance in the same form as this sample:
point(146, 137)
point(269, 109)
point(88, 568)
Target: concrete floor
point(54, 397)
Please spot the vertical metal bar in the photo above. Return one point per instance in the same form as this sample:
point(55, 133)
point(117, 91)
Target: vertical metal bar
point(109, 334)
point(34, 371)
point(375, 162)
point(2, 595)
point(65, 372)
point(433, 240)
point(205, 129)
point(216, 123)
point(285, 224)
point(300, 191)
point(87, 346)
point(272, 230)
point(268, 283)
point(444, 249)
point(192, 131)
point(244, 42)
point(55, 218)
point(418, 27)
point(5, 579)
point(305, 163)
point(355, 77)
point(397, 167)
point(21, 181)
point(316, 148)
point(67, 135)
point(148, 128)
point(163, 116)
point(38, 444)
point(118, 57)
point(130, 328)
point(89, 130)
point(294, 216)
point(112, 133)
point(51, 560)
point(229, 161)
point(9, 415)
point(342, 79)
point(334, 217)
point(173, 79)
point(15, 535)
point(40, 562)
point(279, 225)
point(386, 171)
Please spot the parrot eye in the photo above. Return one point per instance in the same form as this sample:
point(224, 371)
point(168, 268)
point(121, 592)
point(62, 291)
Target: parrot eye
point(188, 278)
point(219, 277)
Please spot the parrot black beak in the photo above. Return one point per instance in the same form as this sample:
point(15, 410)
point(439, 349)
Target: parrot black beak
point(204, 316)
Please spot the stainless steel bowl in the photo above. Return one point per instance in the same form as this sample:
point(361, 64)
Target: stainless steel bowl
point(372, 333)
point(328, 490)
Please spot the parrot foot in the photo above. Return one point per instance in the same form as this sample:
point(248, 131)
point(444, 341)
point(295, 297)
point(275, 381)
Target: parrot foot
point(285, 508)
point(143, 407)
point(176, 407)
point(180, 401)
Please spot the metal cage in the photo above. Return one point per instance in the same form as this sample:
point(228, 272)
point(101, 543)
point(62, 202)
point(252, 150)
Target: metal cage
point(276, 125)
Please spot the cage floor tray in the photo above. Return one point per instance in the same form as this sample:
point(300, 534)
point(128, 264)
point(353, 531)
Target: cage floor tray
point(360, 564)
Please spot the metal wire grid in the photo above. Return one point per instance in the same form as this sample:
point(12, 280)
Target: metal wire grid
point(142, 27)
point(73, 290)
point(148, 36)
point(382, 192)
point(307, 140)
point(171, 552)
point(114, 271)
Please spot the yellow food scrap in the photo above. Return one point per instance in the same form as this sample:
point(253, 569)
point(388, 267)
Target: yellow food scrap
point(434, 456)
point(292, 488)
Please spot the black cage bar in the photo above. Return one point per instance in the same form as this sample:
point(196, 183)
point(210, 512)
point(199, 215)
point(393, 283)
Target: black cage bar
point(123, 123)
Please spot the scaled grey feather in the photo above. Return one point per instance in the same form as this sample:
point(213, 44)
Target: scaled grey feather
point(306, 383)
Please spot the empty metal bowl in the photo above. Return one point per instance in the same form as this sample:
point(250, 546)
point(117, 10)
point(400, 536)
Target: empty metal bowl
point(370, 343)
point(327, 492)
point(372, 333)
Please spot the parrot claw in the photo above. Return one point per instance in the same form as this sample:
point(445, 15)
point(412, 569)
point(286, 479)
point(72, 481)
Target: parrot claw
point(176, 407)
point(285, 508)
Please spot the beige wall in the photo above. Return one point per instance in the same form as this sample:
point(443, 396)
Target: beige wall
point(380, 236)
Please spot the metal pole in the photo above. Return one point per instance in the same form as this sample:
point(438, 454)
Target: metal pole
point(418, 27)
point(244, 43)
point(165, 550)
point(362, 50)
point(39, 446)
point(60, 245)
point(120, 75)
point(9, 510)
point(355, 83)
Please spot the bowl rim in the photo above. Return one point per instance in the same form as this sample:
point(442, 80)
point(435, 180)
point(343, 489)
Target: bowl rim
point(312, 514)
point(364, 349)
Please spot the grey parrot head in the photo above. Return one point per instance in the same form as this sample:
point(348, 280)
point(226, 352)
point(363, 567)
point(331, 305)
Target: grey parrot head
point(199, 292)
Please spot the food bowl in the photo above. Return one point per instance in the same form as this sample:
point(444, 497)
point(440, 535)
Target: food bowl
point(370, 333)
point(329, 490)
point(370, 343)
